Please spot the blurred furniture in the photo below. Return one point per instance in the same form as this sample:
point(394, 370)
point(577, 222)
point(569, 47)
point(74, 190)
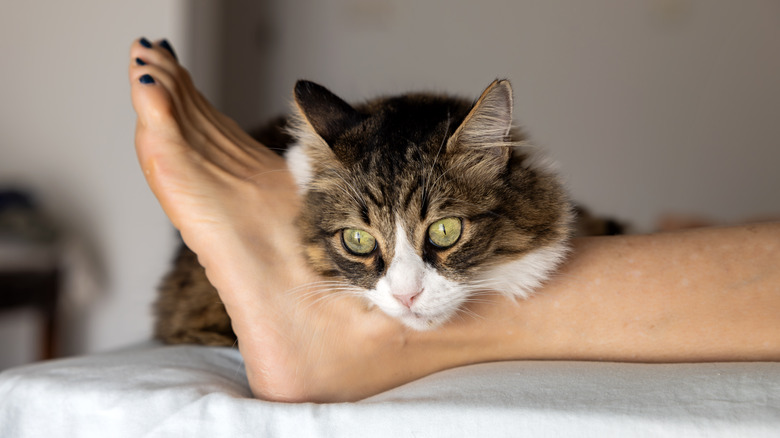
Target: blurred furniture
point(37, 288)
point(29, 264)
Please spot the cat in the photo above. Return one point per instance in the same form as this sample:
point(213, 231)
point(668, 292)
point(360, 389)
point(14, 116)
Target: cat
point(417, 202)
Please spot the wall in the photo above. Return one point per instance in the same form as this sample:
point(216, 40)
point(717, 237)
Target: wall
point(649, 106)
point(66, 132)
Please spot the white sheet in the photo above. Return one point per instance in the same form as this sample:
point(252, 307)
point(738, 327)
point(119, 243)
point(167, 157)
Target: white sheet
point(191, 391)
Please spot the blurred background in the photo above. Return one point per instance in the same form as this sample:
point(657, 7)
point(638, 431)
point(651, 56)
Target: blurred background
point(651, 108)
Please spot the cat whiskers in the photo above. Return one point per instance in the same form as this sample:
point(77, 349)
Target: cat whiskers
point(477, 288)
point(463, 312)
point(477, 292)
point(317, 286)
point(253, 177)
point(313, 293)
point(515, 144)
point(329, 295)
point(457, 201)
point(350, 190)
point(436, 183)
point(312, 284)
point(426, 189)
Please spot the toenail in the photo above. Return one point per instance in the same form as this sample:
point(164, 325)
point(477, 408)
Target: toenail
point(144, 42)
point(146, 79)
point(139, 61)
point(167, 46)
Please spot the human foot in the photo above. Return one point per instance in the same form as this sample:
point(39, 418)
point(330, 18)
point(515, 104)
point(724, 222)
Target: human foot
point(233, 201)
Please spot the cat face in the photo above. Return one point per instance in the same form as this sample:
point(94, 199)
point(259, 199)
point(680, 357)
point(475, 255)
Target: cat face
point(420, 202)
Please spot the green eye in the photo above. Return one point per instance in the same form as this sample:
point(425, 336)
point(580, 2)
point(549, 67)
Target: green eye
point(445, 232)
point(358, 241)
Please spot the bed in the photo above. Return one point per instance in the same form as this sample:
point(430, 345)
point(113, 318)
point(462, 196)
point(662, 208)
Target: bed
point(152, 390)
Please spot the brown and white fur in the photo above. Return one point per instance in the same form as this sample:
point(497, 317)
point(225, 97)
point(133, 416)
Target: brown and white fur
point(392, 168)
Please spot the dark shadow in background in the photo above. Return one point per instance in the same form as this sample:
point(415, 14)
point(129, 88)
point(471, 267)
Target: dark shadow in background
point(231, 42)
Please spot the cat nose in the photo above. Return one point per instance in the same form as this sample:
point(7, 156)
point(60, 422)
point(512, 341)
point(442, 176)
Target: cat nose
point(407, 299)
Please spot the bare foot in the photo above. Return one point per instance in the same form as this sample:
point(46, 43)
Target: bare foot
point(234, 201)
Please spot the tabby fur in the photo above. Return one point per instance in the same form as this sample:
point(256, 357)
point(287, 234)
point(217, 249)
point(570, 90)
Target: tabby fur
point(391, 166)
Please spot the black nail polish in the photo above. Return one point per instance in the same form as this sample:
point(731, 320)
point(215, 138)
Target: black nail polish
point(146, 79)
point(144, 42)
point(139, 61)
point(167, 46)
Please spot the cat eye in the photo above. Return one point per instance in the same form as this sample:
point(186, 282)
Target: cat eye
point(444, 232)
point(358, 242)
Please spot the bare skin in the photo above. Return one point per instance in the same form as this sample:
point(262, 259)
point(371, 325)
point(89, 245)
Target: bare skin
point(701, 295)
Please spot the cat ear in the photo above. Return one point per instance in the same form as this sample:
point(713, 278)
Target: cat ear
point(486, 128)
point(327, 113)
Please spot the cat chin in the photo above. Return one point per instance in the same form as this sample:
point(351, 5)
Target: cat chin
point(424, 323)
point(417, 321)
point(420, 319)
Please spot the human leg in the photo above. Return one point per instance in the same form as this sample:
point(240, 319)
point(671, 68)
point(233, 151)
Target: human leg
point(216, 183)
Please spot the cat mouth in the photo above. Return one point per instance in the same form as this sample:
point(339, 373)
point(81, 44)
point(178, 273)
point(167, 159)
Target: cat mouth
point(423, 321)
point(426, 314)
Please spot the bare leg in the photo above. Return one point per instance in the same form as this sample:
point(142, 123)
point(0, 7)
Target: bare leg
point(700, 295)
point(710, 294)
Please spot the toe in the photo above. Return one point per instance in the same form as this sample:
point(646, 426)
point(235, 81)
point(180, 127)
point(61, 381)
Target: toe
point(151, 100)
point(160, 55)
point(167, 46)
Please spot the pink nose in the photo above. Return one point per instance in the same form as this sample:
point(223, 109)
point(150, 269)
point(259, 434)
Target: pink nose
point(407, 299)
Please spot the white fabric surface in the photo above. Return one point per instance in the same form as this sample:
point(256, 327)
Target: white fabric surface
point(189, 391)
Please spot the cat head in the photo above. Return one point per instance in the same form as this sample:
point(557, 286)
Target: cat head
point(421, 201)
